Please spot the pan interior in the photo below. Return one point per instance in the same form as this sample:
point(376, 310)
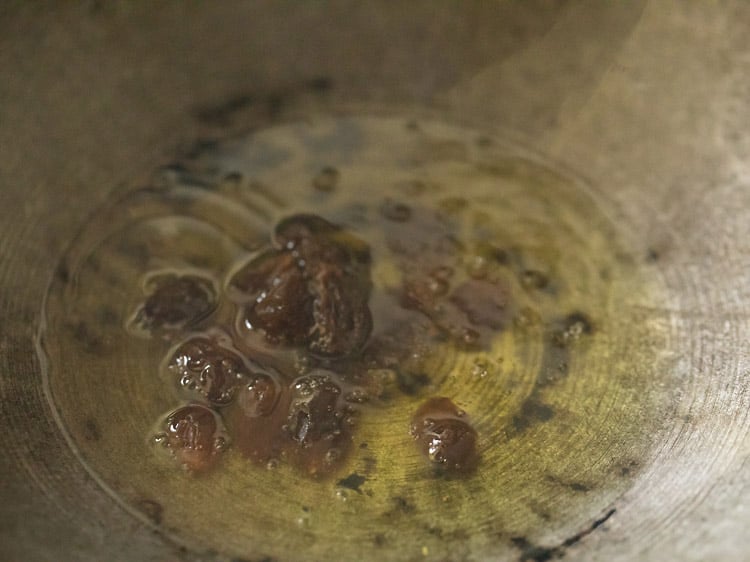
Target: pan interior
point(566, 398)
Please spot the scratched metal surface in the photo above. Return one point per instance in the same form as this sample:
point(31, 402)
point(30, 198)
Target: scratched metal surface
point(647, 99)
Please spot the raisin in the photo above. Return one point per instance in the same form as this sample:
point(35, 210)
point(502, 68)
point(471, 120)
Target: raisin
point(445, 436)
point(319, 424)
point(195, 436)
point(209, 367)
point(309, 422)
point(341, 316)
point(313, 414)
point(174, 302)
point(312, 290)
point(250, 281)
point(312, 238)
point(280, 302)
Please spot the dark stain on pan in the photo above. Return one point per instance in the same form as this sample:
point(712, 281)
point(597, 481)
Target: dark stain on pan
point(152, 509)
point(63, 273)
point(270, 104)
point(563, 335)
point(532, 411)
point(411, 384)
point(576, 486)
point(200, 146)
point(534, 553)
point(90, 342)
point(321, 84)
point(222, 113)
point(401, 506)
point(353, 482)
point(628, 467)
point(91, 430)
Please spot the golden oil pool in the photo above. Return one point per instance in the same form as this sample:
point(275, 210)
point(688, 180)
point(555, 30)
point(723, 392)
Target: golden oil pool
point(565, 398)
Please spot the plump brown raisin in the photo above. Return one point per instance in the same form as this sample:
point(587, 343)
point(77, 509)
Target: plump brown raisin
point(308, 422)
point(208, 366)
point(341, 315)
point(444, 434)
point(174, 302)
point(195, 436)
point(311, 290)
point(313, 414)
point(277, 298)
point(319, 423)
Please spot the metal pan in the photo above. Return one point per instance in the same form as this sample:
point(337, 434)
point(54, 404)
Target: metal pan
point(645, 103)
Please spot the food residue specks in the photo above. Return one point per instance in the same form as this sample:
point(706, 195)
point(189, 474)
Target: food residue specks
point(532, 279)
point(394, 211)
point(480, 368)
point(225, 341)
point(571, 328)
point(326, 180)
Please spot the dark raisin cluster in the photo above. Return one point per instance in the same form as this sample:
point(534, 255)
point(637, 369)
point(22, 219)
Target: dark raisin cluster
point(285, 377)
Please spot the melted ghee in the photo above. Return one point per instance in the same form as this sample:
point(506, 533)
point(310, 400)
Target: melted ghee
point(564, 398)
